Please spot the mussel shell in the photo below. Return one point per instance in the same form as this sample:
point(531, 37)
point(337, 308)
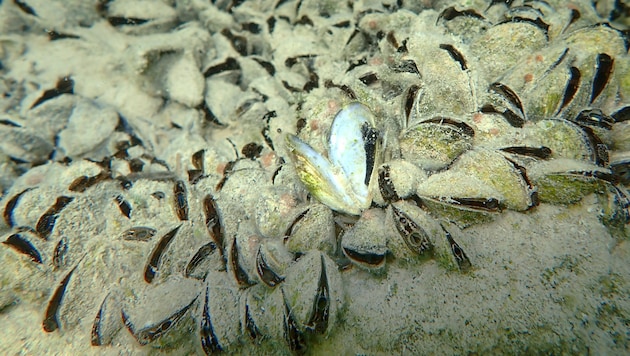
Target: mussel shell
point(81, 296)
point(220, 312)
point(107, 320)
point(589, 41)
point(402, 247)
point(620, 136)
point(158, 309)
point(565, 181)
point(565, 139)
point(207, 258)
point(262, 313)
point(467, 24)
point(480, 174)
point(302, 291)
point(241, 255)
point(567, 188)
point(616, 211)
point(434, 145)
point(459, 214)
point(544, 76)
point(620, 166)
point(364, 244)
point(151, 18)
point(24, 145)
point(503, 45)
point(313, 228)
point(272, 261)
point(453, 249)
point(397, 179)
point(445, 87)
point(275, 207)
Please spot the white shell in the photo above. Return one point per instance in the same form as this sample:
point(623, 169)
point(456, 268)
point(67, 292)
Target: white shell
point(347, 144)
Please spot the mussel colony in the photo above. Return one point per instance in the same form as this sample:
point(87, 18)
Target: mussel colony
point(278, 155)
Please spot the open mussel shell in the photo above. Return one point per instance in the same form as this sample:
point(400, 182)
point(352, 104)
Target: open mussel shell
point(342, 181)
point(325, 181)
point(567, 181)
point(364, 244)
point(436, 143)
point(354, 144)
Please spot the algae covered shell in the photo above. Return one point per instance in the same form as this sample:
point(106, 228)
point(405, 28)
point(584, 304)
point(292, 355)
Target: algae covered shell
point(480, 173)
point(434, 144)
point(567, 181)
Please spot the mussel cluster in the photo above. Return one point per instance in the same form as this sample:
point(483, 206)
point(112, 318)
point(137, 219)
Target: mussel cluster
point(338, 164)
